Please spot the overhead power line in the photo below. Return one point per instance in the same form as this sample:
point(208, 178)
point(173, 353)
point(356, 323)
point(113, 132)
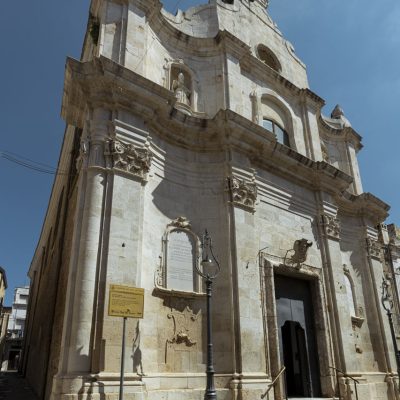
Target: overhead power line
point(31, 164)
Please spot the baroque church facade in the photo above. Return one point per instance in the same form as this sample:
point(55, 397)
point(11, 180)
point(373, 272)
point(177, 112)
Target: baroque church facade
point(205, 120)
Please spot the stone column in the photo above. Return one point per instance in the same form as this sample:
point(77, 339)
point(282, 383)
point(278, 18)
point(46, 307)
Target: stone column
point(85, 257)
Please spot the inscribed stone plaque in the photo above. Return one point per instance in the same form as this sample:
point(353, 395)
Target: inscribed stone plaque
point(180, 261)
point(126, 301)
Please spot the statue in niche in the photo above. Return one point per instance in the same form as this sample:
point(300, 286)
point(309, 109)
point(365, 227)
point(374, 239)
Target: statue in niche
point(182, 93)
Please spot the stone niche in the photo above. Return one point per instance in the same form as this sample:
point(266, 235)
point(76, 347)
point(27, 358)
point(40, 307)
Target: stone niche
point(180, 253)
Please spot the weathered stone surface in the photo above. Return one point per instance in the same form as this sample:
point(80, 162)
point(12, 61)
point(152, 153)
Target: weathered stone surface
point(166, 139)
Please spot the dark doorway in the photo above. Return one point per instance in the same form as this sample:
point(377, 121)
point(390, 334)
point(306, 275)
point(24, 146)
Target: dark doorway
point(299, 352)
point(296, 359)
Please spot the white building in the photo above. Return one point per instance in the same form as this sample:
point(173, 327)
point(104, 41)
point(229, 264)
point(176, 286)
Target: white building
point(16, 322)
point(12, 347)
point(205, 120)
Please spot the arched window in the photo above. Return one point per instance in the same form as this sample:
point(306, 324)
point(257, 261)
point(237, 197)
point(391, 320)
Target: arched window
point(268, 57)
point(281, 135)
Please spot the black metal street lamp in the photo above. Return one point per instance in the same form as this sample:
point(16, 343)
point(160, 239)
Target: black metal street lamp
point(209, 270)
point(387, 304)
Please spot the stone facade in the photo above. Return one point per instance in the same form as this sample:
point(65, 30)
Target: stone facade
point(174, 126)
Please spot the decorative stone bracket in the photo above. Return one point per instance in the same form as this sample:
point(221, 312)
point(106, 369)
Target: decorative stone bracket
point(128, 158)
point(331, 226)
point(243, 194)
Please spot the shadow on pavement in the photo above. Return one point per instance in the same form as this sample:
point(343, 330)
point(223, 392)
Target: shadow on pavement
point(14, 387)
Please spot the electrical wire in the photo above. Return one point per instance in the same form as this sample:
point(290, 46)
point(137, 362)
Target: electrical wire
point(30, 164)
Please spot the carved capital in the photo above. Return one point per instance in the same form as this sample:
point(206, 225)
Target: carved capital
point(243, 194)
point(374, 248)
point(331, 226)
point(128, 158)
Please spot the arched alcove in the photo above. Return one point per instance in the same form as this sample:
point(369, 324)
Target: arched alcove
point(268, 57)
point(182, 81)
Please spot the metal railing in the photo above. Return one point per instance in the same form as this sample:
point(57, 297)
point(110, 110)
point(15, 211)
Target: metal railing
point(273, 383)
point(345, 376)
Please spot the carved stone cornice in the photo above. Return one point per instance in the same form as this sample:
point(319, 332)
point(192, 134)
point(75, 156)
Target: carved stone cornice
point(243, 194)
point(128, 158)
point(110, 84)
point(374, 248)
point(331, 226)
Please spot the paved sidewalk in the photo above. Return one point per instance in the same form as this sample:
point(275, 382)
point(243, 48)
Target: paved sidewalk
point(13, 387)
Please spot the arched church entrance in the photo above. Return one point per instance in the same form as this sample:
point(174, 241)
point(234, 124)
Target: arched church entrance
point(297, 340)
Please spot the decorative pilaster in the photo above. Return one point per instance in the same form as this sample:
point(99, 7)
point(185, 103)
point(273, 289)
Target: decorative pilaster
point(243, 193)
point(340, 321)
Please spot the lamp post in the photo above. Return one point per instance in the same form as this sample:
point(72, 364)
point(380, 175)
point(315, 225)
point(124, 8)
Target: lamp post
point(387, 304)
point(209, 270)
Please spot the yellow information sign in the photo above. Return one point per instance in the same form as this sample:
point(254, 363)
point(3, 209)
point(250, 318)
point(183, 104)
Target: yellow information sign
point(126, 301)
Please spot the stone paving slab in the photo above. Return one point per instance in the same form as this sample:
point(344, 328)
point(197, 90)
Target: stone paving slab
point(14, 387)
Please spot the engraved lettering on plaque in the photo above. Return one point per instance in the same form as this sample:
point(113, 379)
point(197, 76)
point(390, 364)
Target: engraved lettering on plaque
point(180, 261)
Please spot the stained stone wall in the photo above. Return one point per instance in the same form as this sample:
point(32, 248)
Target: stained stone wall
point(151, 156)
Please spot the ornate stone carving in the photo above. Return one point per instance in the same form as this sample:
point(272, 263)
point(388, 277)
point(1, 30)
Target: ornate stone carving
point(180, 222)
point(243, 194)
point(182, 93)
point(325, 153)
point(374, 248)
point(299, 252)
point(127, 157)
point(331, 226)
point(183, 323)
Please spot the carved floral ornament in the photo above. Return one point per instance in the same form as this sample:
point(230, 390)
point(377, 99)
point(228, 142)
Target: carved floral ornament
point(243, 194)
point(331, 226)
point(128, 158)
point(374, 248)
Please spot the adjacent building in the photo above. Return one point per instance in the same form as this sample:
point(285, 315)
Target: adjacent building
point(3, 286)
point(4, 311)
point(15, 319)
point(205, 120)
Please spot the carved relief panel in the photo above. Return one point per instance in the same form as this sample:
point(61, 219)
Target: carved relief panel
point(183, 344)
point(243, 193)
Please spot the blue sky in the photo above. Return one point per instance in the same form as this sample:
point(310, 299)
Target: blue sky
point(352, 54)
